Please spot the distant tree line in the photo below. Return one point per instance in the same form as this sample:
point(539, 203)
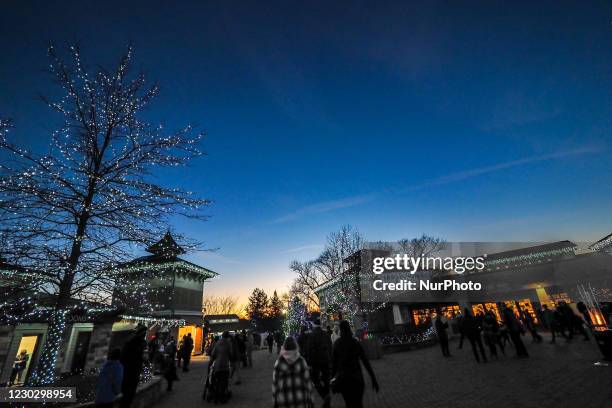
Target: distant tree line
point(265, 311)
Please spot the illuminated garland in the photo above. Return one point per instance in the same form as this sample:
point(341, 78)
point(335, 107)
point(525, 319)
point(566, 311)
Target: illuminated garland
point(174, 266)
point(155, 320)
point(602, 244)
point(529, 258)
point(415, 338)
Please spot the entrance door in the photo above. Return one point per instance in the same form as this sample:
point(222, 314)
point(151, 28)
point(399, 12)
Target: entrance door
point(80, 352)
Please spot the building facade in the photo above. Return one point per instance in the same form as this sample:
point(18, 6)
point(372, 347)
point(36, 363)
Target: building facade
point(522, 279)
point(172, 303)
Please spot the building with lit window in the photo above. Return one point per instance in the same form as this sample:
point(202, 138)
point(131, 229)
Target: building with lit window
point(173, 296)
point(522, 279)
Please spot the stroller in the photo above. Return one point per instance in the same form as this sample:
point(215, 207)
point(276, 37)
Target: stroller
point(217, 386)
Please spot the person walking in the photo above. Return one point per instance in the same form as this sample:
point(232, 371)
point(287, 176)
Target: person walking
point(249, 344)
point(168, 363)
point(441, 326)
point(180, 351)
point(108, 385)
point(515, 329)
point(490, 330)
point(278, 338)
point(132, 359)
point(302, 342)
point(187, 349)
point(270, 342)
point(548, 320)
point(347, 353)
point(219, 368)
point(236, 358)
point(530, 325)
point(472, 330)
point(291, 385)
point(319, 359)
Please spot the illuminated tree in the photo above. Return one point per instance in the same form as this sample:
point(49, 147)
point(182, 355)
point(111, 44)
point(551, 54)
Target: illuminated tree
point(296, 316)
point(74, 212)
point(327, 266)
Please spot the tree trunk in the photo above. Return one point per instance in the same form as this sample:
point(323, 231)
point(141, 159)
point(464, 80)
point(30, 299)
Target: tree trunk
point(44, 374)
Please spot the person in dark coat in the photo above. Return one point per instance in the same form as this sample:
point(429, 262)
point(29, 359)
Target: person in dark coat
point(187, 349)
point(132, 359)
point(168, 363)
point(530, 325)
point(346, 369)
point(303, 342)
point(108, 385)
point(441, 326)
point(472, 329)
point(278, 339)
point(514, 329)
point(492, 339)
point(270, 341)
point(236, 358)
point(319, 349)
point(180, 351)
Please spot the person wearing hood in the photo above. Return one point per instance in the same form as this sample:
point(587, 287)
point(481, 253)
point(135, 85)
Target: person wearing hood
point(291, 386)
point(109, 381)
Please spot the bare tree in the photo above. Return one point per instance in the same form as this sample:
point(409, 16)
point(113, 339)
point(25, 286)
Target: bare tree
point(327, 266)
point(221, 305)
point(74, 212)
point(422, 246)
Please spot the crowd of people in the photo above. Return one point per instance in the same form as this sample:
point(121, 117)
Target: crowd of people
point(509, 327)
point(122, 372)
point(322, 361)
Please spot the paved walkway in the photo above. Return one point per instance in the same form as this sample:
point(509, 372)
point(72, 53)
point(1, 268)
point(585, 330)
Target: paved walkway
point(559, 376)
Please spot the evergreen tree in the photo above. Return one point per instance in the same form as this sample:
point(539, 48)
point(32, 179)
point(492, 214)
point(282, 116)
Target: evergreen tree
point(257, 306)
point(275, 308)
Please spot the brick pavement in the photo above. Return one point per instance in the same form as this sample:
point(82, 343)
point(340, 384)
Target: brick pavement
point(559, 376)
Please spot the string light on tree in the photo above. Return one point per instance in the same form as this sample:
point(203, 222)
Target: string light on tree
point(72, 215)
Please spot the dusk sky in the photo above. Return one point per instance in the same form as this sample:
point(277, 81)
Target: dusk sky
point(487, 122)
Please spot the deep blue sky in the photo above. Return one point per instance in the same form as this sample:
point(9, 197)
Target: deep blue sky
point(467, 120)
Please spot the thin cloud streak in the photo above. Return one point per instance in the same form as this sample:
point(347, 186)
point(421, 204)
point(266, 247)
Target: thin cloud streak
point(326, 206)
point(446, 179)
point(304, 248)
point(467, 174)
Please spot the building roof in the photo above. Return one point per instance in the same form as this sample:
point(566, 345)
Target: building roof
point(230, 326)
point(602, 244)
point(550, 248)
point(221, 316)
point(164, 256)
point(166, 247)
